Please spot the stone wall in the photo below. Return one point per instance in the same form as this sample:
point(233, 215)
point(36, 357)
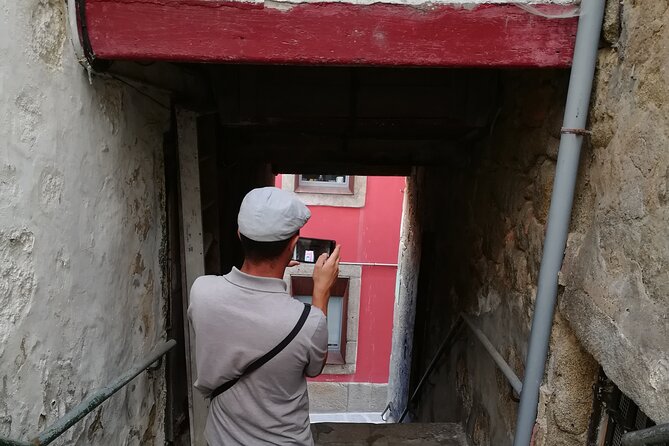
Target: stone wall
point(483, 226)
point(483, 229)
point(81, 231)
point(616, 270)
point(345, 397)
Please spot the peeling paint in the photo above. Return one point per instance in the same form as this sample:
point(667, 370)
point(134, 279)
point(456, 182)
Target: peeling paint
point(48, 31)
point(280, 5)
point(27, 118)
point(463, 3)
point(50, 188)
point(17, 277)
point(9, 189)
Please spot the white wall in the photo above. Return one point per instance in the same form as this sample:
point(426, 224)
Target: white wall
point(81, 190)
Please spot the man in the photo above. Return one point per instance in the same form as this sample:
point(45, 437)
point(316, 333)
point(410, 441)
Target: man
point(240, 317)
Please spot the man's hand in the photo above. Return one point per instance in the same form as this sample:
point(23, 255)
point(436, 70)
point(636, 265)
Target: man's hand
point(326, 271)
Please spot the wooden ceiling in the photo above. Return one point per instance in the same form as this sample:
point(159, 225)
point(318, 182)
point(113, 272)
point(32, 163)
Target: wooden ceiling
point(298, 117)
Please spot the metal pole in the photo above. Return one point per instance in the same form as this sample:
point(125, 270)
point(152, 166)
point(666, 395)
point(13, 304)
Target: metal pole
point(392, 265)
point(652, 435)
point(92, 401)
point(442, 348)
point(10, 442)
point(99, 396)
point(494, 354)
point(576, 113)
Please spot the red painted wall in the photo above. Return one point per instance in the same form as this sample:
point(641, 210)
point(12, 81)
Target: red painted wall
point(371, 235)
point(328, 33)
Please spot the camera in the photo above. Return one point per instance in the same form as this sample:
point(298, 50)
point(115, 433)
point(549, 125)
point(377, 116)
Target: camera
point(308, 250)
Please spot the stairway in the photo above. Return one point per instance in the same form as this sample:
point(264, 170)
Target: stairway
point(406, 434)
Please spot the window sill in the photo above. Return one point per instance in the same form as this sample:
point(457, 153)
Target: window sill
point(323, 190)
point(339, 369)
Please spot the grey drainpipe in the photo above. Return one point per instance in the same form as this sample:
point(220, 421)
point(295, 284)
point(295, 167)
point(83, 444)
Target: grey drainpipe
point(559, 215)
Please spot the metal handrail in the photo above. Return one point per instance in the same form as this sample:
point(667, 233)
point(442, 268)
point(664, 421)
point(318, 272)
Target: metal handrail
point(442, 348)
point(652, 435)
point(504, 367)
point(92, 401)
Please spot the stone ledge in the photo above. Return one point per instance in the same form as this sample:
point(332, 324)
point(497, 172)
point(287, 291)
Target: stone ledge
point(418, 434)
point(330, 397)
point(340, 369)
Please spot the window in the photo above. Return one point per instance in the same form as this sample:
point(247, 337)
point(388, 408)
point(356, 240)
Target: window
point(343, 334)
point(349, 194)
point(325, 184)
point(619, 414)
point(302, 289)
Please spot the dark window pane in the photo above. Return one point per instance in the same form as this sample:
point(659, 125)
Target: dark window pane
point(322, 178)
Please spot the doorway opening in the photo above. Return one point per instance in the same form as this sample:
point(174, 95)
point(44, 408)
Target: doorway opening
point(475, 151)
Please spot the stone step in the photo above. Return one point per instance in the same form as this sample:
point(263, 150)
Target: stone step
point(405, 434)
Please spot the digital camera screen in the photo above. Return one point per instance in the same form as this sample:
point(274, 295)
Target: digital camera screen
point(308, 250)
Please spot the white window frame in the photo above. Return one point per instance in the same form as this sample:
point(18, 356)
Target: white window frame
point(354, 200)
point(353, 273)
point(347, 187)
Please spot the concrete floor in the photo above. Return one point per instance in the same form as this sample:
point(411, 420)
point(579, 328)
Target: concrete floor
point(406, 434)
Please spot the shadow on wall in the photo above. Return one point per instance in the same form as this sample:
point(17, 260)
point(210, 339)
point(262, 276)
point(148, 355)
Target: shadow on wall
point(481, 252)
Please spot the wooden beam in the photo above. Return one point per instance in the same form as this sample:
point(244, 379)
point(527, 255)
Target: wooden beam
point(360, 156)
point(188, 87)
point(500, 35)
point(193, 257)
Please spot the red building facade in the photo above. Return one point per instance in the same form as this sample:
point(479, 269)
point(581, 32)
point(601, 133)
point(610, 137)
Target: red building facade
point(366, 222)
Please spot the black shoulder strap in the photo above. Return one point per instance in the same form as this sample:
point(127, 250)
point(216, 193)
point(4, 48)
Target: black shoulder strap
point(269, 355)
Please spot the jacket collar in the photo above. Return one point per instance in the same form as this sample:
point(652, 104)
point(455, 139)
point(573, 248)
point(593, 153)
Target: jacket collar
point(256, 283)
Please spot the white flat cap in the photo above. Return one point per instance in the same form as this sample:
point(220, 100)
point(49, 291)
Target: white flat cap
point(268, 214)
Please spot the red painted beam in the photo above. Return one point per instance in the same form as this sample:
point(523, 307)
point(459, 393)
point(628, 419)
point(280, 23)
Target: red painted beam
point(327, 33)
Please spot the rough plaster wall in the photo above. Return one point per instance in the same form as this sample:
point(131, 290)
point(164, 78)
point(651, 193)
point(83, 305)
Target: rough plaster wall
point(405, 301)
point(616, 271)
point(81, 218)
point(486, 219)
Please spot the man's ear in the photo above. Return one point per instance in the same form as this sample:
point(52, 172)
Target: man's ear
point(293, 242)
point(239, 235)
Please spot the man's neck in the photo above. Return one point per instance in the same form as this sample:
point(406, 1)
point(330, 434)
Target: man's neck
point(274, 269)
